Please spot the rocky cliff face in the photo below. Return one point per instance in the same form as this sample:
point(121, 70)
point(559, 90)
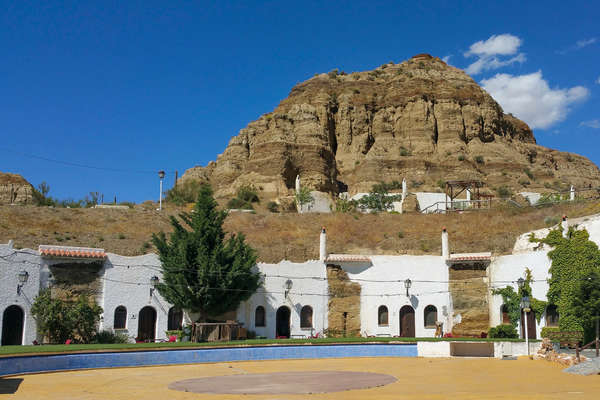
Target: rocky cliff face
point(420, 119)
point(14, 189)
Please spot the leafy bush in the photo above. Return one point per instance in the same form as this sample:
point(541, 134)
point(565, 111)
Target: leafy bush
point(479, 159)
point(461, 157)
point(303, 196)
point(503, 331)
point(60, 320)
point(236, 204)
point(504, 192)
point(273, 206)
point(549, 329)
point(404, 152)
point(184, 192)
point(245, 196)
point(109, 337)
point(345, 206)
point(379, 198)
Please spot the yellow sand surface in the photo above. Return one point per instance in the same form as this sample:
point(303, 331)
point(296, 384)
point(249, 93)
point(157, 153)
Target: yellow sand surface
point(418, 378)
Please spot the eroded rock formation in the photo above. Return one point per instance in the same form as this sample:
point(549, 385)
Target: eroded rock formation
point(14, 189)
point(421, 119)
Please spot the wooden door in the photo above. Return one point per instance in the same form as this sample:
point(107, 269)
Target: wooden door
point(407, 321)
point(147, 324)
point(530, 325)
point(282, 328)
point(13, 320)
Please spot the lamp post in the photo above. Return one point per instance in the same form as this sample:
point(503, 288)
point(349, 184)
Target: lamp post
point(525, 304)
point(161, 175)
point(407, 285)
point(23, 276)
point(153, 282)
point(288, 287)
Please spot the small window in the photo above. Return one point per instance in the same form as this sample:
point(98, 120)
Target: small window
point(430, 315)
point(175, 319)
point(551, 315)
point(306, 315)
point(259, 316)
point(120, 321)
point(505, 315)
point(382, 316)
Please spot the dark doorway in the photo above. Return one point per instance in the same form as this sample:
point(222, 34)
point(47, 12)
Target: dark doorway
point(407, 321)
point(175, 319)
point(147, 324)
point(283, 322)
point(12, 326)
point(530, 325)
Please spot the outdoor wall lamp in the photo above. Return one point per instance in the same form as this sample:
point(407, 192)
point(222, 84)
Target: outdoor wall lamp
point(407, 285)
point(288, 287)
point(23, 277)
point(153, 283)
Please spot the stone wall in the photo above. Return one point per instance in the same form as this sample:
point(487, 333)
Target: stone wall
point(469, 291)
point(344, 304)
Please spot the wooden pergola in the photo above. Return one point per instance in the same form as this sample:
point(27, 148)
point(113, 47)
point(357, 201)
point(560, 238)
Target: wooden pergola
point(455, 188)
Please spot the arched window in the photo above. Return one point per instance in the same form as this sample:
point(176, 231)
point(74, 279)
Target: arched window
point(430, 316)
point(306, 317)
point(551, 315)
point(175, 319)
point(120, 318)
point(259, 316)
point(382, 316)
point(505, 315)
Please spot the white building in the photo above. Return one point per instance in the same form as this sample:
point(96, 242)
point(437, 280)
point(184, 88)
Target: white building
point(294, 299)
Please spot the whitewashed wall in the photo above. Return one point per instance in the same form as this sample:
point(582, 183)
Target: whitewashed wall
point(429, 276)
point(126, 282)
point(11, 263)
point(305, 291)
point(506, 270)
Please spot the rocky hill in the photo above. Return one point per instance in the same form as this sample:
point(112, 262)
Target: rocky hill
point(421, 119)
point(14, 189)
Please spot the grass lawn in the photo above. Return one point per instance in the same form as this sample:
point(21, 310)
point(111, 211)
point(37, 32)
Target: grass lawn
point(62, 348)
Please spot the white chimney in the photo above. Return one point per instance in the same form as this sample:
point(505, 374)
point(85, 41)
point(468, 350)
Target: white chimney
point(404, 191)
point(572, 194)
point(297, 183)
point(445, 245)
point(565, 226)
point(323, 245)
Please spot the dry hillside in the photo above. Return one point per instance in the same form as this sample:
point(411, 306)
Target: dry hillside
point(287, 235)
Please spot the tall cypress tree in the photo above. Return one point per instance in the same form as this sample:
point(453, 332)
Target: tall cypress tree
point(203, 272)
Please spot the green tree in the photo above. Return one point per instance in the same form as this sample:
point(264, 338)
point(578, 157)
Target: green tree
point(60, 320)
point(379, 198)
point(303, 196)
point(203, 272)
point(587, 302)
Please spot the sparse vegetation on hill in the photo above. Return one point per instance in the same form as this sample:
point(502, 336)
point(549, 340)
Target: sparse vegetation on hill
point(286, 235)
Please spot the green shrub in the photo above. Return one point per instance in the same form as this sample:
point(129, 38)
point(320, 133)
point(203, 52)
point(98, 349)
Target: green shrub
point(184, 192)
point(504, 192)
point(549, 329)
point(248, 193)
point(404, 151)
point(345, 206)
point(461, 157)
point(273, 206)
point(479, 159)
point(239, 204)
point(507, 331)
point(110, 337)
point(400, 235)
point(529, 173)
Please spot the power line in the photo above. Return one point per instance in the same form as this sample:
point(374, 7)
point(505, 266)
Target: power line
point(79, 165)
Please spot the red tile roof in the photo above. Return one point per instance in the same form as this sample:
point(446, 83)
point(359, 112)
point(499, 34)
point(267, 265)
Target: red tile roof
point(470, 257)
point(347, 258)
point(71, 252)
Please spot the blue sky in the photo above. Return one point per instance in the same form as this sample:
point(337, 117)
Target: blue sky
point(139, 86)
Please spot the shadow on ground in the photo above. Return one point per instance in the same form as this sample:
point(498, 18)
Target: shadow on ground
point(9, 385)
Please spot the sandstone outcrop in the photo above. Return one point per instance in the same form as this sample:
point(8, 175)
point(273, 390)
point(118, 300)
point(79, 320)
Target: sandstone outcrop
point(420, 119)
point(14, 189)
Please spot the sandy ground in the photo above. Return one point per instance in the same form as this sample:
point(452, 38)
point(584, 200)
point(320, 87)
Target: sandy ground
point(417, 378)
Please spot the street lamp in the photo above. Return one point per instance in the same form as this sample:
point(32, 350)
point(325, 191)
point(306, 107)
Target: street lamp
point(525, 305)
point(23, 276)
point(153, 283)
point(288, 287)
point(407, 285)
point(161, 175)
